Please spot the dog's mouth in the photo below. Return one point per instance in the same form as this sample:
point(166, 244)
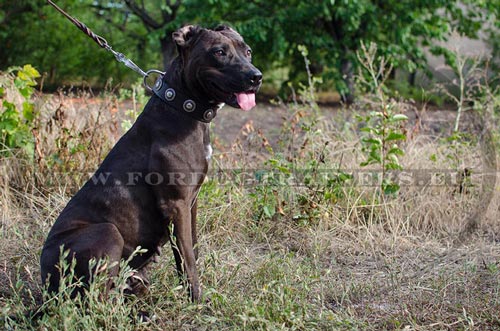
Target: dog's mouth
point(243, 100)
point(231, 91)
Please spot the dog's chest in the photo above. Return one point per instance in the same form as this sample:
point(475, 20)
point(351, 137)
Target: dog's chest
point(206, 143)
point(208, 151)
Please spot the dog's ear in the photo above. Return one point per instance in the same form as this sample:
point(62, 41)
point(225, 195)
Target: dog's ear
point(228, 31)
point(222, 27)
point(184, 35)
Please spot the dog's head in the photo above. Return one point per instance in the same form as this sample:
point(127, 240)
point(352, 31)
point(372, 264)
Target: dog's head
point(219, 63)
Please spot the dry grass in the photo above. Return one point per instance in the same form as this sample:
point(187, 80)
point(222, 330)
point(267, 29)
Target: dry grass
point(326, 255)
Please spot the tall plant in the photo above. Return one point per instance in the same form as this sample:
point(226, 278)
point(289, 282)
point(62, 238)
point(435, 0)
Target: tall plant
point(382, 125)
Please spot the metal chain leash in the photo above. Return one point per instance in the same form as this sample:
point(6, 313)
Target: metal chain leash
point(104, 44)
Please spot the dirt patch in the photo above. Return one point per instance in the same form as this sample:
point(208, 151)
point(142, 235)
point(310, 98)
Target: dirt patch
point(269, 119)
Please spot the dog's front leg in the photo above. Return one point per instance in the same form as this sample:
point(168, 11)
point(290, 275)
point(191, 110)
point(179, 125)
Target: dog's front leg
point(180, 215)
point(194, 235)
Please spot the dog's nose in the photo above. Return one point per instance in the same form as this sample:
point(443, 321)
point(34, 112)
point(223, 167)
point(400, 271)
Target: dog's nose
point(256, 77)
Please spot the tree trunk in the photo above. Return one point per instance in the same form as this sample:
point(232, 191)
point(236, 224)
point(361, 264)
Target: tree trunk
point(412, 79)
point(168, 50)
point(347, 71)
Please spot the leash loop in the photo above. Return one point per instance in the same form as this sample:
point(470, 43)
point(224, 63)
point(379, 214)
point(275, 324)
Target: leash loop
point(126, 61)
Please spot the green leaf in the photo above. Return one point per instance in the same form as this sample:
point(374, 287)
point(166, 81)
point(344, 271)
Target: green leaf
point(395, 136)
point(396, 151)
point(376, 114)
point(393, 166)
point(393, 158)
point(345, 177)
point(390, 188)
point(284, 170)
point(399, 117)
point(9, 108)
point(19, 83)
point(8, 126)
point(375, 141)
point(25, 91)
point(368, 162)
point(23, 76)
point(28, 111)
point(268, 211)
point(30, 71)
point(375, 155)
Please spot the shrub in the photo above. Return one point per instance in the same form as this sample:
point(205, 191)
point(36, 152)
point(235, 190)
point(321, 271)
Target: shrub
point(16, 110)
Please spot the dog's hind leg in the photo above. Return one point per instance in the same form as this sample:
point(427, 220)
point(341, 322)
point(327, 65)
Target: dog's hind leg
point(98, 241)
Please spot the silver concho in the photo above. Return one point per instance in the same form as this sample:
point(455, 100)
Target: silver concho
point(208, 115)
point(158, 84)
point(169, 94)
point(189, 105)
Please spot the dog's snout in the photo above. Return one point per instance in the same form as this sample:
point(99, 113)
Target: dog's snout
point(255, 77)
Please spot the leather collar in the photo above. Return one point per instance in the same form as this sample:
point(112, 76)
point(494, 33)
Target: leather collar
point(195, 108)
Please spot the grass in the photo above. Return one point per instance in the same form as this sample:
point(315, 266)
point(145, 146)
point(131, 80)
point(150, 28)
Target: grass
point(330, 254)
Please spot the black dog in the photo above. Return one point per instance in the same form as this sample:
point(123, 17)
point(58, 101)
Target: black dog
point(150, 179)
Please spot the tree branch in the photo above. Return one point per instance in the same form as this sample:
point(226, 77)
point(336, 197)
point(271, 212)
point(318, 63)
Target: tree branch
point(143, 15)
point(121, 27)
point(170, 16)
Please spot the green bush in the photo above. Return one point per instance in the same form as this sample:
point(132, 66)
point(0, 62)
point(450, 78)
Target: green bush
point(17, 112)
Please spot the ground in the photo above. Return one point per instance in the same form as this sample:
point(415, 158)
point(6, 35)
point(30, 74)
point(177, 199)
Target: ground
point(325, 257)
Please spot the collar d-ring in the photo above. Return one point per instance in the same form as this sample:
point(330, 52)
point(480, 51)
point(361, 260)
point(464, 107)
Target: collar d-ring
point(148, 73)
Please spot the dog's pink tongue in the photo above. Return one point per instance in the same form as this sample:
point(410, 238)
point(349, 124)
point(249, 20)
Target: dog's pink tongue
point(246, 100)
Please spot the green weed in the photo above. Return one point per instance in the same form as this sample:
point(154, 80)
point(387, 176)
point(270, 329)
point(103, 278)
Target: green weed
point(17, 113)
point(383, 125)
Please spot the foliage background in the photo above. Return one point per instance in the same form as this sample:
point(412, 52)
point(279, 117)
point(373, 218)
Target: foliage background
point(332, 30)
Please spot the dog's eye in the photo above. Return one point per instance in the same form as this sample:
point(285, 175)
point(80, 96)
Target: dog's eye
point(219, 52)
point(249, 52)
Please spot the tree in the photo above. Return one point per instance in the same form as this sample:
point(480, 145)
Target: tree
point(158, 18)
point(333, 31)
point(33, 32)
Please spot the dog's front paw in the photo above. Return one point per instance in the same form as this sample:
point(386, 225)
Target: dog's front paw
point(137, 284)
point(195, 293)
